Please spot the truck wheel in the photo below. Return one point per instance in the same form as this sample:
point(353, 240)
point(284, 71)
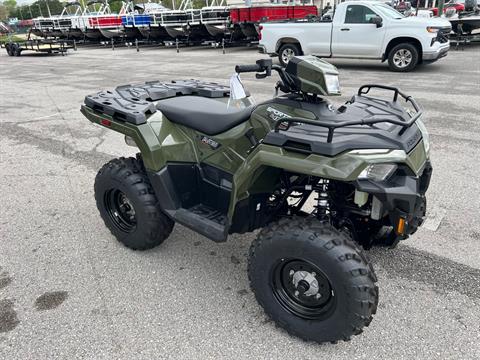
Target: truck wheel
point(403, 58)
point(128, 205)
point(286, 52)
point(312, 280)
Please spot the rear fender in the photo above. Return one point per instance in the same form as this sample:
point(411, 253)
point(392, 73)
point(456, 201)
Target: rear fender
point(158, 139)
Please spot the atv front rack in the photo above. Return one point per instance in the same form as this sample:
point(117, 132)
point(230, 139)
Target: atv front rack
point(397, 116)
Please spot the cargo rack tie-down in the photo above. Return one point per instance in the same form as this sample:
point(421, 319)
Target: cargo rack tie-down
point(405, 123)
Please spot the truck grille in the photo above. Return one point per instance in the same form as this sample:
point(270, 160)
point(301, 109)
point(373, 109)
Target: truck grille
point(443, 34)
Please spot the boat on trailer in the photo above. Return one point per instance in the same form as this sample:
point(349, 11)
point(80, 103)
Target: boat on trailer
point(175, 21)
point(137, 19)
point(466, 24)
point(42, 27)
point(62, 24)
point(149, 23)
point(87, 23)
point(110, 24)
point(248, 18)
point(215, 18)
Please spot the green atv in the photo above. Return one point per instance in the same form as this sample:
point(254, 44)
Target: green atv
point(320, 182)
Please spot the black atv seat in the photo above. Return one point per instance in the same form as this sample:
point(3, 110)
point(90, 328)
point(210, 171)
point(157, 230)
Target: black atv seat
point(203, 114)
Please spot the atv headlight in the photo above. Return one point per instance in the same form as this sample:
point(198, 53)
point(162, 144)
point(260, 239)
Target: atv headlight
point(332, 83)
point(377, 172)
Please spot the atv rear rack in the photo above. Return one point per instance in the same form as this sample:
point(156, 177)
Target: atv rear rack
point(399, 116)
point(135, 103)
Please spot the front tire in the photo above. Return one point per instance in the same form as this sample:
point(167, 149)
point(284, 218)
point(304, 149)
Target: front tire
point(312, 280)
point(128, 205)
point(286, 52)
point(403, 57)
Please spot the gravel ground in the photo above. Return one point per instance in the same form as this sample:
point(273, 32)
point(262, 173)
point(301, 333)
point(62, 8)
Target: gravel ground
point(69, 290)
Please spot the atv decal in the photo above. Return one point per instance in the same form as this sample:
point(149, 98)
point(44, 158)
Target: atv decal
point(276, 115)
point(414, 139)
point(210, 142)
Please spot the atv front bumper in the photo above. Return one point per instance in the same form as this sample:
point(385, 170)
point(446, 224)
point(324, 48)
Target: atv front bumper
point(402, 197)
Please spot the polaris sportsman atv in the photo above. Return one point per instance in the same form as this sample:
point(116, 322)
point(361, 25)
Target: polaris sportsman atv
point(320, 182)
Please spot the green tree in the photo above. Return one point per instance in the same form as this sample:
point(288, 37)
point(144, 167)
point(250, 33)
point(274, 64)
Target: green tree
point(3, 12)
point(10, 5)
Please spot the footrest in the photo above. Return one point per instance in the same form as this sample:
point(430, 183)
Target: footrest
point(204, 221)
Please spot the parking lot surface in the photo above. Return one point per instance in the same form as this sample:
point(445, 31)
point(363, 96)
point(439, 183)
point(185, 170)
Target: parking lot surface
point(69, 290)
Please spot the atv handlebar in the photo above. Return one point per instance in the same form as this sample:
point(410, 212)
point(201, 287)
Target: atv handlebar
point(248, 68)
point(266, 66)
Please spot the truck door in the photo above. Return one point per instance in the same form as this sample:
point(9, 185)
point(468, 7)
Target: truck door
point(356, 35)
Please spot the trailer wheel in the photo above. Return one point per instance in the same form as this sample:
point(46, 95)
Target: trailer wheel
point(286, 52)
point(17, 50)
point(403, 58)
point(8, 47)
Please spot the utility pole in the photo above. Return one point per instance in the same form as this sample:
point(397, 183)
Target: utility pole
point(441, 3)
point(30, 9)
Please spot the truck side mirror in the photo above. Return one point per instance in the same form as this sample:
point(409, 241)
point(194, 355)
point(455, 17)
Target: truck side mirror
point(377, 20)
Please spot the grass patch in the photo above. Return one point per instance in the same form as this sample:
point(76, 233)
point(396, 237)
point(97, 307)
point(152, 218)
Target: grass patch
point(15, 38)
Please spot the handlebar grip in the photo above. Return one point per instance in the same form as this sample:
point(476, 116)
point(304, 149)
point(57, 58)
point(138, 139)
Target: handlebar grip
point(247, 68)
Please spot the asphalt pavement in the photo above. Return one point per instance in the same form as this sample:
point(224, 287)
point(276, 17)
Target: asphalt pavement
point(69, 290)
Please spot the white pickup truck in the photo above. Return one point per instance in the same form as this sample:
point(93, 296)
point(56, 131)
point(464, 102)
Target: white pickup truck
point(361, 30)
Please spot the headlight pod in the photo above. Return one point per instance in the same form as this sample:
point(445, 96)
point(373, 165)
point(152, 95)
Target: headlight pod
point(332, 83)
point(377, 172)
point(433, 29)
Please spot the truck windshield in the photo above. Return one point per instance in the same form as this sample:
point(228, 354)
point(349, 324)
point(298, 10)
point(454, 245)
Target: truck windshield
point(388, 11)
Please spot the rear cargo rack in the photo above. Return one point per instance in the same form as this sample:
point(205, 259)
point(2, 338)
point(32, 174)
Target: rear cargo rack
point(134, 103)
point(399, 117)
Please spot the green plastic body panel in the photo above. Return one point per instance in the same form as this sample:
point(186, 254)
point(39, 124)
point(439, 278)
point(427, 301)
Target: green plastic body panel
point(312, 73)
point(159, 140)
point(255, 169)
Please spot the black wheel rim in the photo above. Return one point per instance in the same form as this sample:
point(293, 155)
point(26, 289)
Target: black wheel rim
point(302, 289)
point(120, 210)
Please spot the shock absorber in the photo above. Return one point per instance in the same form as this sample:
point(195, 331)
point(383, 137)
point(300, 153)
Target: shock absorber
point(323, 206)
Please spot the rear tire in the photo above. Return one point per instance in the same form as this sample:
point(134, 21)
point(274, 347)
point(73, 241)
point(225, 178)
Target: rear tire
point(286, 52)
point(128, 205)
point(312, 280)
point(403, 57)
